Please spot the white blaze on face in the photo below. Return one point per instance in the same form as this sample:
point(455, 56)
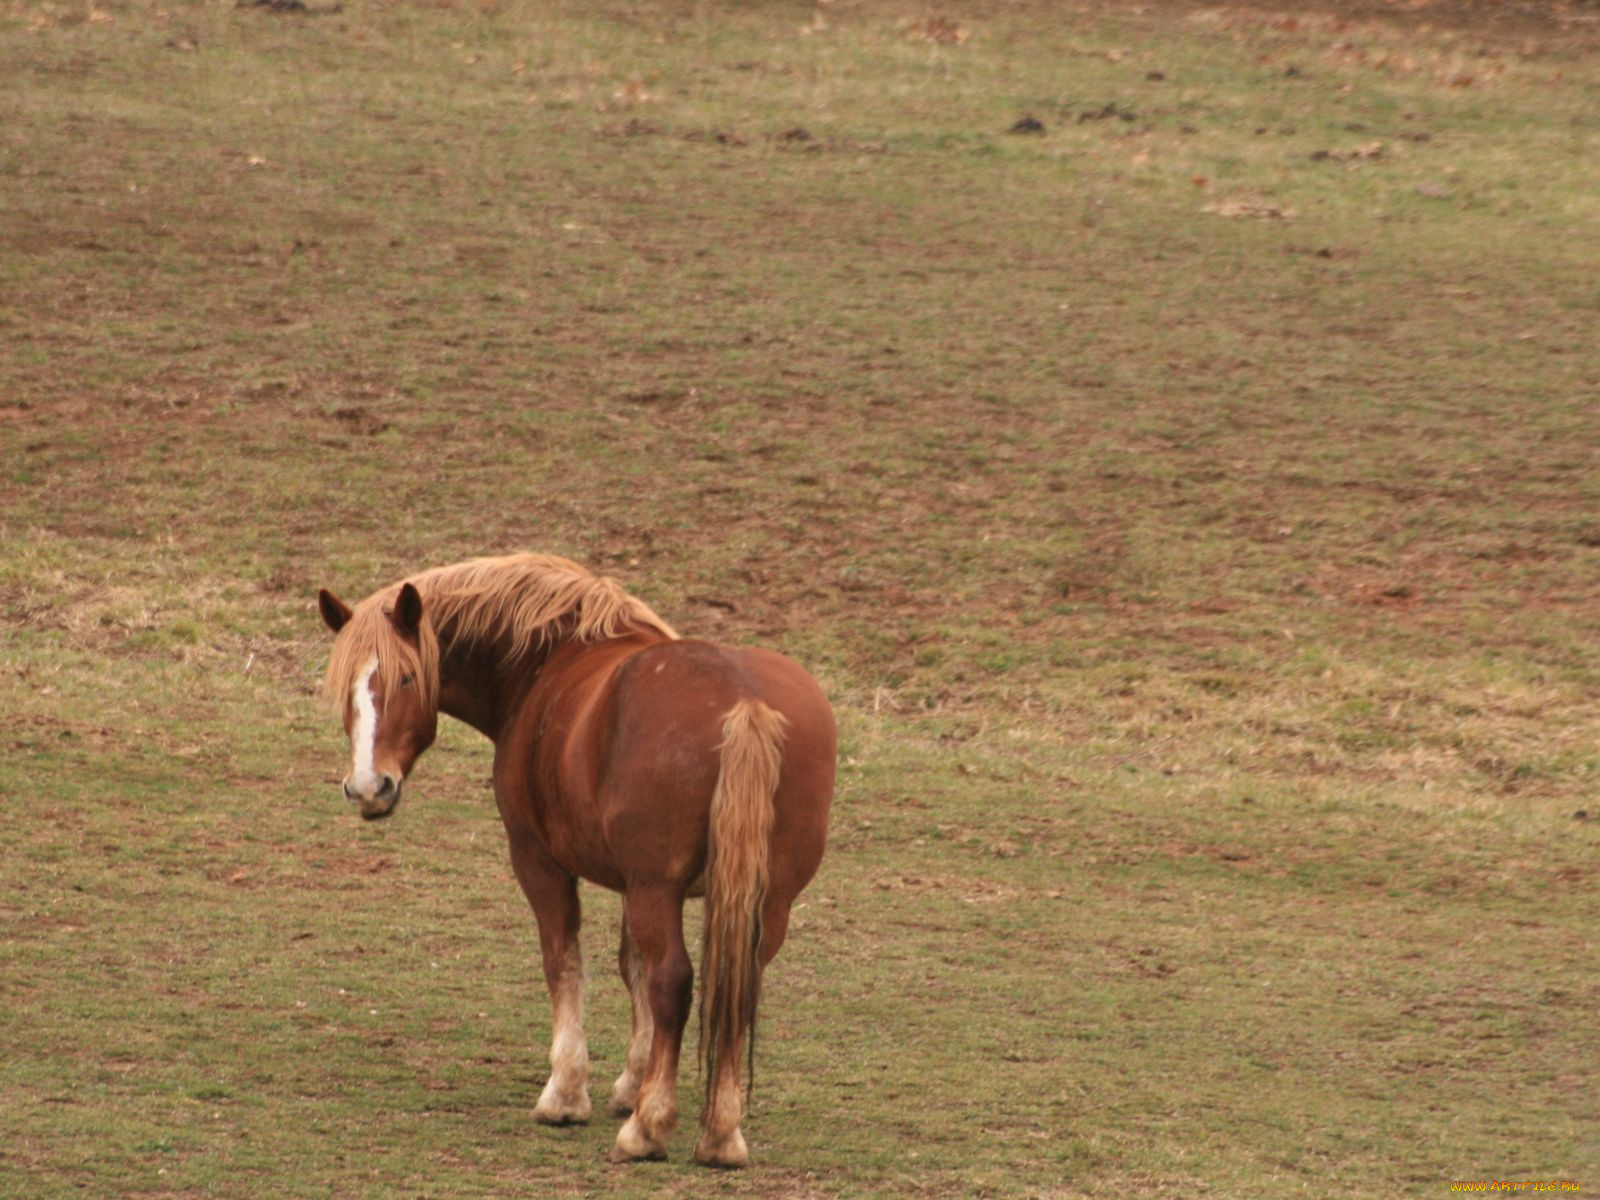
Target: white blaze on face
point(363, 735)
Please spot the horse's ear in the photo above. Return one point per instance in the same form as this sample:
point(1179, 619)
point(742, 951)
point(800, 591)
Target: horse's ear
point(334, 610)
point(408, 609)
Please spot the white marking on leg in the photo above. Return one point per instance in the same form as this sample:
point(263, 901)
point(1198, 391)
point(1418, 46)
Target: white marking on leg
point(565, 1098)
point(644, 1134)
point(657, 1114)
point(363, 738)
point(655, 1110)
point(569, 1050)
point(721, 1144)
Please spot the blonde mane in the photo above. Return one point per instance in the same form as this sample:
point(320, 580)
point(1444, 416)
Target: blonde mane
point(522, 601)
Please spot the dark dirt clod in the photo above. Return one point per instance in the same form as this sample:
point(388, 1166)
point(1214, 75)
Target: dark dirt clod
point(1112, 110)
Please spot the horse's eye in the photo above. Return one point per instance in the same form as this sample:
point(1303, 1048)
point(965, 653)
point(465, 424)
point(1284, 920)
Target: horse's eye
point(407, 680)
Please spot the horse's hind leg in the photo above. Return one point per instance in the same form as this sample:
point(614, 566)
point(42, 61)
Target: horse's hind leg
point(721, 1144)
point(625, 1092)
point(554, 896)
point(655, 928)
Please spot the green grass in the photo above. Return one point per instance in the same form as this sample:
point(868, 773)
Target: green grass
point(1192, 517)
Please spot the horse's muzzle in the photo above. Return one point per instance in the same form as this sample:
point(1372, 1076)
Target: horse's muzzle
point(380, 803)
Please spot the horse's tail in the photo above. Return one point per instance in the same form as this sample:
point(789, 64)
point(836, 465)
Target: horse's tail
point(736, 886)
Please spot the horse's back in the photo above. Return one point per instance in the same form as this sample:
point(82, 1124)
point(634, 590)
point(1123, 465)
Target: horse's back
point(701, 677)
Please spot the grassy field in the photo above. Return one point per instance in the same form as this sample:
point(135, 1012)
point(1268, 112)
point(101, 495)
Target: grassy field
point(1171, 433)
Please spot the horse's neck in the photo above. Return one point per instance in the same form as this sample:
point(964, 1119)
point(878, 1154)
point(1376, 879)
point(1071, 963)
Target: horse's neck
point(478, 686)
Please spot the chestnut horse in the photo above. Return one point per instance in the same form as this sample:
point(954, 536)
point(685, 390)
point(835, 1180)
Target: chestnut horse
point(657, 767)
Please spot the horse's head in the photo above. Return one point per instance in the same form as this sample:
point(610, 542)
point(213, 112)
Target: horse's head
point(383, 674)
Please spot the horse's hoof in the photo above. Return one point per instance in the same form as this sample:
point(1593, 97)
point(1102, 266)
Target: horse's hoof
point(726, 1154)
point(620, 1108)
point(618, 1155)
point(723, 1164)
point(559, 1115)
point(560, 1120)
point(634, 1144)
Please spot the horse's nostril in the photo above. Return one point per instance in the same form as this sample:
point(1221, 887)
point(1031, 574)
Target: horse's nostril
point(348, 794)
point(386, 786)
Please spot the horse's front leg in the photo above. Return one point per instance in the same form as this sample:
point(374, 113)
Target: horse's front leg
point(553, 893)
point(625, 1092)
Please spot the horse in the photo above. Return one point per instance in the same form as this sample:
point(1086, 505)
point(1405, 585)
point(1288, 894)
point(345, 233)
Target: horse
point(655, 766)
